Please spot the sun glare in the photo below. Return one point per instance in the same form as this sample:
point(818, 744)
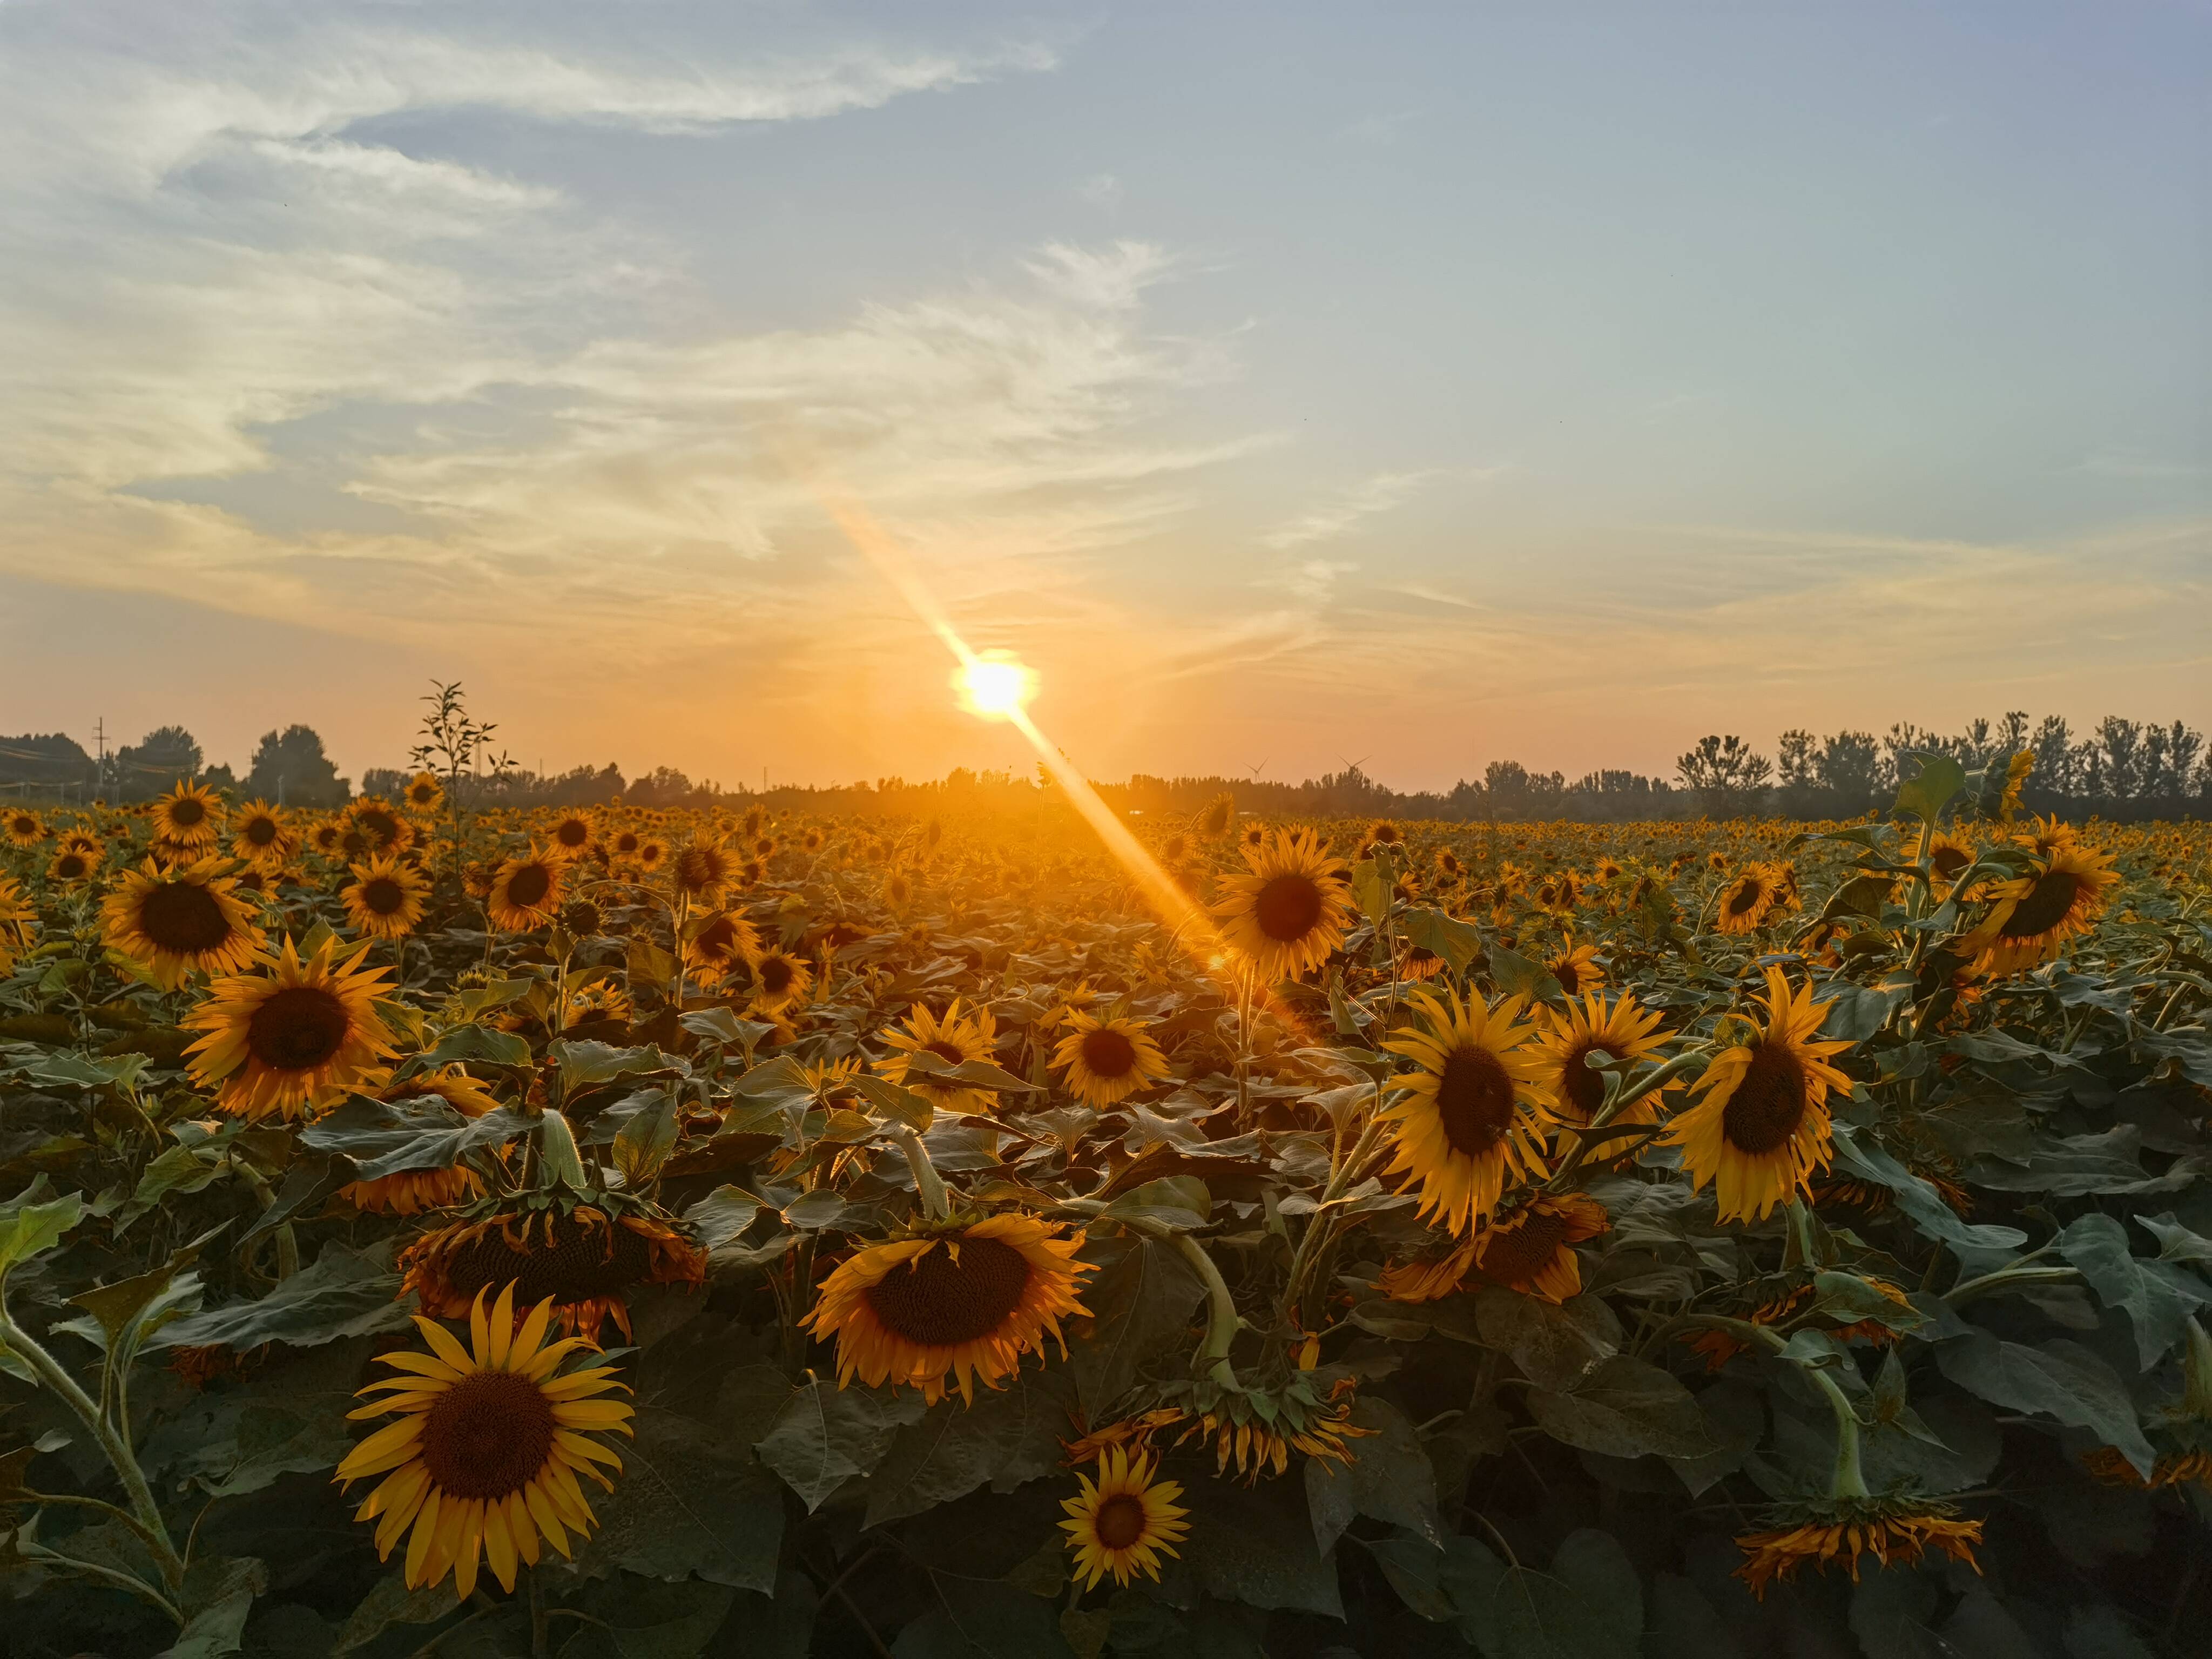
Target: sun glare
point(994, 685)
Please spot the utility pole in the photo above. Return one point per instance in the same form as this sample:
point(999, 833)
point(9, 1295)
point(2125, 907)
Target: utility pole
point(100, 738)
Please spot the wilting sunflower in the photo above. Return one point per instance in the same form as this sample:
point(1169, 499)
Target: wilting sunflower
point(1838, 1531)
point(2031, 919)
point(526, 891)
point(1531, 1249)
point(262, 836)
point(1108, 1060)
point(386, 828)
point(22, 829)
point(425, 793)
point(966, 1302)
point(288, 1040)
point(1746, 902)
point(483, 1459)
point(189, 818)
point(74, 864)
point(1576, 968)
point(571, 834)
point(583, 1257)
point(184, 919)
point(1125, 1520)
point(410, 1192)
point(701, 870)
point(1472, 1113)
point(955, 1039)
point(725, 940)
point(779, 977)
point(1288, 913)
point(1761, 1128)
point(384, 900)
point(1625, 1031)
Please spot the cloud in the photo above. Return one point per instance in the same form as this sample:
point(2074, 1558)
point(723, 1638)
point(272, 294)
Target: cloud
point(1102, 190)
point(1378, 494)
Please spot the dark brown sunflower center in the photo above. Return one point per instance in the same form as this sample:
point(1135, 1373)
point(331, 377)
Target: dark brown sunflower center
point(355, 841)
point(1569, 974)
point(381, 823)
point(183, 916)
point(1768, 1104)
point(1745, 897)
point(422, 794)
point(1120, 1521)
point(299, 1028)
point(1288, 908)
point(1585, 1088)
point(626, 842)
point(184, 814)
point(936, 1301)
point(1475, 1099)
point(260, 832)
point(69, 866)
point(777, 973)
point(383, 896)
point(2044, 907)
point(715, 944)
point(1108, 1054)
point(1949, 860)
point(1515, 1256)
point(527, 888)
point(573, 832)
point(585, 1260)
point(488, 1435)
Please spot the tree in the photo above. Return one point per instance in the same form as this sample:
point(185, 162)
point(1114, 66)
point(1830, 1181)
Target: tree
point(155, 762)
point(2053, 745)
point(51, 759)
point(1726, 775)
point(1798, 753)
point(290, 767)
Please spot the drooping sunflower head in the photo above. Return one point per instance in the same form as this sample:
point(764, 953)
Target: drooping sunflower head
point(1530, 1250)
point(1106, 1061)
point(963, 1303)
point(951, 1040)
point(189, 818)
point(1893, 1528)
point(287, 1040)
point(2032, 919)
point(584, 1258)
point(1761, 1127)
point(385, 898)
point(527, 892)
point(483, 1459)
point(1288, 912)
point(1471, 1113)
point(1624, 1031)
point(1218, 818)
point(1123, 1521)
point(702, 869)
point(181, 920)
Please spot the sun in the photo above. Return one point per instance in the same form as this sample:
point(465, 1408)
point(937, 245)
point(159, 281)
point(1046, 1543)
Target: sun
point(994, 685)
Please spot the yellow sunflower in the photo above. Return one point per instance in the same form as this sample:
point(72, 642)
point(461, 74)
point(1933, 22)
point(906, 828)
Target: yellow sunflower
point(1108, 1060)
point(1839, 1531)
point(424, 792)
point(702, 869)
point(955, 1039)
point(1761, 1126)
point(186, 919)
point(74, 864)
point(965, 1302)
point(1531, 1250)
point(19, 921)
point(23, 827)
point(327, 837)
point(385, 827)
point(1288, 913)
point(262, 836)
point(1471, 1113)
point(725, 939)
point(1576, 968)
point(597, 1001)
point(780, 978)
point(483, 1459)
point(2031, 919)
point(287, 1041)
point(571, 834)
point(1948, 858)
point(1746, 902)
point(384, 900)
point(188, 818)
point(584, 1258)
point(1624, 1031)
point(527, 892)
point(1125, 1520)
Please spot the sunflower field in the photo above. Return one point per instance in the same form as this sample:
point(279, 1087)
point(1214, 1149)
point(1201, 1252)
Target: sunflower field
point(622, 1234)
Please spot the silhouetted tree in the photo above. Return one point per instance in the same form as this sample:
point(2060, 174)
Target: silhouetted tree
point(290, 767)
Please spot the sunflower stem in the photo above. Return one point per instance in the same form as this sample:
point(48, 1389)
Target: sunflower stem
point(1221, 1319)
point(926, 1184)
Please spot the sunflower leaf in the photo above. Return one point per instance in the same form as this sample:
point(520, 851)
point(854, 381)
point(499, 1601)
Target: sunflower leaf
point(1625, 1408)
point(1926, 793)
point(1515, 975)
point(824, 1435)
point(1179, 1203)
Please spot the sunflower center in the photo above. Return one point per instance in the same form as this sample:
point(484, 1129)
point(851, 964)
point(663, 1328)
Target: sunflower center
point(488, 1435)
point(626, 843)
point(186, 813)
point(1569, 976)
point(573, 832)
point(1768, 1105)
point(68, 866)
point(1745, 897)
point(1474, 1099)
point(1514, 1256)
point(1108, 1054)
point(384, 895)
point(715, 943)
point(1119, 1521)
point(935, 1301)
point(297, 1029)
point(183, 916)
point(527, 888)
point(580, 1259)
point(2044, 907)
point(260, 832)
point(1948, 862)
point(1287, 908)
point(776, 974)
point(1585, 1088)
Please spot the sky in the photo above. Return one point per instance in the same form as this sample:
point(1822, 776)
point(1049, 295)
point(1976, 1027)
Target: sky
point(1288, 384)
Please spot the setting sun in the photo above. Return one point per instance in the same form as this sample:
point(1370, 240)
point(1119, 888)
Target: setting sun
point(994, 685)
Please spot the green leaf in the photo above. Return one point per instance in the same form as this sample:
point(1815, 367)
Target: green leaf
point(723, 1214)
point(648, 964)
point(1010, 1435)
point(2177, 1242)
point(389, 1137)
point(897, 1105)
point(218, 1595)
point(2157, 1297)
point(690, 1500)
point(975, 1073)
point(722, 1025)
point(480, 1044)
point(638, 1618)
point(825, 1435)
point(1515, 975)
point(1626, 1408)
point(346, 1292)
point(1555, 1347)
point(1389, 1478)
point(1140, 1301)
point(2057, 1379)
point(583, 1065)
point(1256, 1545)
point(1457, 942)
point(1179, 1202)
point(29, 1229)
point(1919, 1200)
point(646, 1139)
point(1371, 891)
point(1926, 794)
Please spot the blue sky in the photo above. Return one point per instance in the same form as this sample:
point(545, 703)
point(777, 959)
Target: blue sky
point(1287, 383)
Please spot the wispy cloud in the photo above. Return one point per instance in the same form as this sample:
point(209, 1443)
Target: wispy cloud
point(1378, 494)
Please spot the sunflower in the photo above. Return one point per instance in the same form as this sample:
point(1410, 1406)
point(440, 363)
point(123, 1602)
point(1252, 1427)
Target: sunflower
point(702, 870)
point(287, 1041)
point(1530, 1250)
point(598, 1001)
point(652, 854)
point(966, 1303)
point(779, 977)
point(384, 900)
point(1431, 1276)
point(1948, 858)
point(571, 834)
point(184, 919)
point(2031, 919)
point(1746, 902)
point(1289, 912)
point(385, 827)
point(188, 818)
point(1576, 968)
point(22, 829)
point(724, 941)
point(1762, 1128)
point(1218, 818)
point(955, 1039)
point(526, 893)
point(483, 1459)
point(410, 1192)
point(261, 836)
point(19, 919)
point(1625, 1031)
point(425, 793)
point(1123, 1521)
point(74, 864)
point(623, 845)
point(1472, 1113)
point(1108, 1060)
point(1253, 1447)
point(327, 837)
point(583, 1257)
point(1891, 1527)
